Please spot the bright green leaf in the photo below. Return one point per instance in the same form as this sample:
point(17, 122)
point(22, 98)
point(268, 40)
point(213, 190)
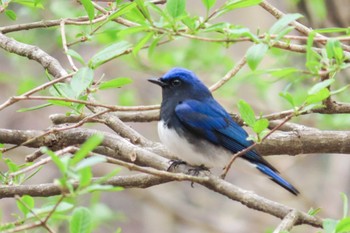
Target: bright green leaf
point(345, 204)
point(115, 83)
point(235, 4)
point(246, 113)
point(334, 50)
point(81, 221)
point(287, 96)
point(255, 54)
point(85, 176)
point(260, 125)
point(81, 80)
point(25, 204)
point(122, 10)
point(11, 14)
point(100, 187)
point(109, 53)
point(89, 8)
point(313, 212)
point(209, 3)
point(62, 90)
point(176, 8)
point(141, 43)
point(319, 86)
point(343, 226)
point(90, 144)
point(317, 97)
point(58, 161)
point(283, 22)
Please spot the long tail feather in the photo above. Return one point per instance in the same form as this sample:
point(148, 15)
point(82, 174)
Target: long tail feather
point(274, 176)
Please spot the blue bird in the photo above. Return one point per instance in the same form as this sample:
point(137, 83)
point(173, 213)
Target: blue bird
point(195, 127)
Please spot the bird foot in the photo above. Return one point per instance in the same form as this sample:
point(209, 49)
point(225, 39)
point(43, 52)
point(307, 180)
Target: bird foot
point(174, 163)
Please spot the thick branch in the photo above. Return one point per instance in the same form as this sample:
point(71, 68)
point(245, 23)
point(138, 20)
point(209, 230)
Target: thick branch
point(291, 143)
point(33, 53)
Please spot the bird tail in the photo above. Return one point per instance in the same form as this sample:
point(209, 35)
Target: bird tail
point(275, 177)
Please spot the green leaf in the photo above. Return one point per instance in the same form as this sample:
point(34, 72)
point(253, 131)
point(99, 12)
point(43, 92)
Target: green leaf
point(115, 83)
point(81, 221)
point(100, 187)
point(317, 97)
point(62, 90)
point(329, 225)
point(34, 108)
point(86, 148)
point(109, 53)
point(319, 86)
point(334, 50)
point(89, 8)
point(11, 14)
point(176, 8)
point(81, 80)
point(343, 226)
point(255, 54)
point(235, 4)
point(246, 113)
point(58, 161)
point(91, 161)
point(25, 204)
point(85, 176)
point(76, 56)
point(125, 8)
point(209, 3)
point(260, 125)
point(313, 212)
point(283, 22)
point(345, 204)
point(287, 96)
point(141, 43)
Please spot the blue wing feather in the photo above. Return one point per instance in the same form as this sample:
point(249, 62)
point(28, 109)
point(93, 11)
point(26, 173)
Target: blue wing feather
point(211, 122)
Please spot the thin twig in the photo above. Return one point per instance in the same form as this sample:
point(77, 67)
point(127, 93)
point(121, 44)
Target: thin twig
point(65, 47)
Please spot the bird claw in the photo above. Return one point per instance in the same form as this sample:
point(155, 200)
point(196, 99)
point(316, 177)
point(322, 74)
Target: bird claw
point(174, 163)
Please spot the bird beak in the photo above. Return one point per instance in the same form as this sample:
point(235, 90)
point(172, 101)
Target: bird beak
point(157, 81)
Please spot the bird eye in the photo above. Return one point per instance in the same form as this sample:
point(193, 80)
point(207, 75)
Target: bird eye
point(176, 82)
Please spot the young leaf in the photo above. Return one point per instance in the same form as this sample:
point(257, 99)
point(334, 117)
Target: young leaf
point(76, 56)
point(141, 43)
point(81, 221)
point(345, 204)
point(125, 8)
point(115, 83)
point(176, 8)
point(319, 86)
point(25, 204)
point(343, 226)
point(81, 80)
point(255, 54)
point(235, 4)
point(317, 97)
point(246, 113)
point(287, 96)
point(85, 175)
point(283, 22)
point(109, 53)
point(11, 14)
point(313, 212)
point(87, 147)
point(260, 125)
point(334, 50)
point(89, 8)
point(209, 3)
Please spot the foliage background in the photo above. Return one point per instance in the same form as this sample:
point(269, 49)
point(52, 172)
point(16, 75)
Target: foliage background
point(176, 207)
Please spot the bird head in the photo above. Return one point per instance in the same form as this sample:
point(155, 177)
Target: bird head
point(182, 83)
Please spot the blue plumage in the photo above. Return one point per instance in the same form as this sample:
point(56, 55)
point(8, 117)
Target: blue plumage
point(199, 130)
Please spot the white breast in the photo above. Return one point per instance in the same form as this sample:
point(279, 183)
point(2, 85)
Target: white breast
point(203, 153)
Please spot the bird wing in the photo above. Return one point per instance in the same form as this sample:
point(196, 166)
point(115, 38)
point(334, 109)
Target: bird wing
point(210, 121)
